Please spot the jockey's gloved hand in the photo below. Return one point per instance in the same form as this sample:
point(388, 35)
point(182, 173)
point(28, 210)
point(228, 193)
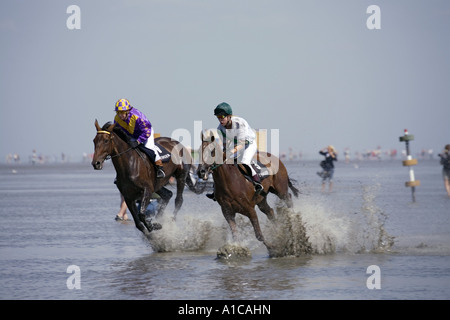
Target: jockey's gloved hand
point(233, 155)
point(134, 144)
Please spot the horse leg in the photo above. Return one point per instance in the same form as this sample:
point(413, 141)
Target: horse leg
point(131, 204)
point(145, 201)
point(265, 208)
point(255, 223)
point(287, 198)
point(230, 216)
point(283, 195)
point(181, 181)
point(165, 195)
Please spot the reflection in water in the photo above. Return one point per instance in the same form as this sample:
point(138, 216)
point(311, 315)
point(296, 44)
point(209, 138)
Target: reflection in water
point(202, 276)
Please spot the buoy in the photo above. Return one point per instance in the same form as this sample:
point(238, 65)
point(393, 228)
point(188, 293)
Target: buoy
point(409, 162)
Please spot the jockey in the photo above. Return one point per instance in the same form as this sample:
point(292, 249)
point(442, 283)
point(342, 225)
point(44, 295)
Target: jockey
point(136, 125)
point(237, 132)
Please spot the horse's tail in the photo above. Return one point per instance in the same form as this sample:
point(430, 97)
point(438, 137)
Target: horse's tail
point(293, 188)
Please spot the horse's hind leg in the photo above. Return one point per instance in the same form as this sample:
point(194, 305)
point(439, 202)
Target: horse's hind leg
point(142, 217)
point(265, 208)
point(284, 196)
point(165, 195)
point(179, 198)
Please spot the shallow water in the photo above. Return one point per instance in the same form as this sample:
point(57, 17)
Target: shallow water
point(57, 216)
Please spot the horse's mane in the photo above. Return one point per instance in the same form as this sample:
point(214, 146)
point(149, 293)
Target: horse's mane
point(117, 131)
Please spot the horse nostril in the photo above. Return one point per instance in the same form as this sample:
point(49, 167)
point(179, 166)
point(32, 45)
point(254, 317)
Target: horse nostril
point(96, 164)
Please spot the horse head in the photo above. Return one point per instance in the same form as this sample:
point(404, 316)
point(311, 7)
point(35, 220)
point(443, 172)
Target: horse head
point(211, 152)
point(103, 144)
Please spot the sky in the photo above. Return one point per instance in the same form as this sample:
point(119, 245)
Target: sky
point(313, 71)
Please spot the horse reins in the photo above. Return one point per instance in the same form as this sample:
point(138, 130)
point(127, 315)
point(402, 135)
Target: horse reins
point(116, 155)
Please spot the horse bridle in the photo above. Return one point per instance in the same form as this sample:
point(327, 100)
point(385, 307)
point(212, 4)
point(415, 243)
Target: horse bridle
point(108, 156)
point(214, 165)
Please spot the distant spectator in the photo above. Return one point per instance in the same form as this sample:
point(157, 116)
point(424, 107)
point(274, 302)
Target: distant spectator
point(328, 166)
point(445, 162)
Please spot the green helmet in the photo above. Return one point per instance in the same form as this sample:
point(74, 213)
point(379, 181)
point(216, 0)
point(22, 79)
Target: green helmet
point(223, 109)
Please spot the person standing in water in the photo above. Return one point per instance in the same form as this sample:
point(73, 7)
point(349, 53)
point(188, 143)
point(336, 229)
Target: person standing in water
point(328, 167)
point(445, 162)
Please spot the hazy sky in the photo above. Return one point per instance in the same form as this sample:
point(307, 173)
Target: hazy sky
point(312, 69)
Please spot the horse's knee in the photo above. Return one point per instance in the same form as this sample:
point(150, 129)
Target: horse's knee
point(179, 199)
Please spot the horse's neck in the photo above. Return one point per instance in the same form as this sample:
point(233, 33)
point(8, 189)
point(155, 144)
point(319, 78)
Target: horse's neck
point(227, 173)
point(124, 160)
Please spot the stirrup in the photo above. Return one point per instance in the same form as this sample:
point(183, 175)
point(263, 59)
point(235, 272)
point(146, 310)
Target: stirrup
point(258, 187)
point(160, 174)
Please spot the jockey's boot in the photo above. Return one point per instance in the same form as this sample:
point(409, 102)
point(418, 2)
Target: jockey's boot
point(257, 184)
point(211, 196)
point(159, 169)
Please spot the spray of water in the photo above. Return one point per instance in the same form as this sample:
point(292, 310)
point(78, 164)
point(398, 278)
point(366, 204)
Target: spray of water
point(287, 236)
point(316, 225)
point(187, 233)
point(336, 225)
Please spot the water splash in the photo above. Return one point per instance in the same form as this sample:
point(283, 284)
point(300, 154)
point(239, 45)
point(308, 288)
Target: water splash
point(373, 236)
point(318, 224)
point(187, 233)
point(287, 236)
point(334, 224)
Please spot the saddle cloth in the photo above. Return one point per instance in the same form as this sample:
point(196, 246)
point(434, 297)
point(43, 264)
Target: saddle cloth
point(163, 152)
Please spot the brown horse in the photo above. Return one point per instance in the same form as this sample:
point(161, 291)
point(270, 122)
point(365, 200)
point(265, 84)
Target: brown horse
point(136, 178)
point(235, 193)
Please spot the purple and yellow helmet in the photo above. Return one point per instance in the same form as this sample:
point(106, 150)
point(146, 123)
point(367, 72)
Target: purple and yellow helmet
point(122, 105)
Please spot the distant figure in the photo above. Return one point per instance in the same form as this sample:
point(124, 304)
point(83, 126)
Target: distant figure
point(328, 166)
point(445, 162)
point(34, 157)
point(347, 155)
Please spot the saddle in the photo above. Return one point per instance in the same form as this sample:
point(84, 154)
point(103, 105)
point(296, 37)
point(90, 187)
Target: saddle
point(163, 152)
point(261, 170)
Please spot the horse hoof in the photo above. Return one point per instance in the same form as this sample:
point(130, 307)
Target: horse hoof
point(268, 245)
point(230, 251)
point(156, 226)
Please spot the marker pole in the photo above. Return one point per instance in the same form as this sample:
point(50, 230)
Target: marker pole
point(409, 162)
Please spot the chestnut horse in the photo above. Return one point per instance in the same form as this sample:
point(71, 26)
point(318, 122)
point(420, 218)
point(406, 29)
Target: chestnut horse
point(235, 193)
point(136, 176)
